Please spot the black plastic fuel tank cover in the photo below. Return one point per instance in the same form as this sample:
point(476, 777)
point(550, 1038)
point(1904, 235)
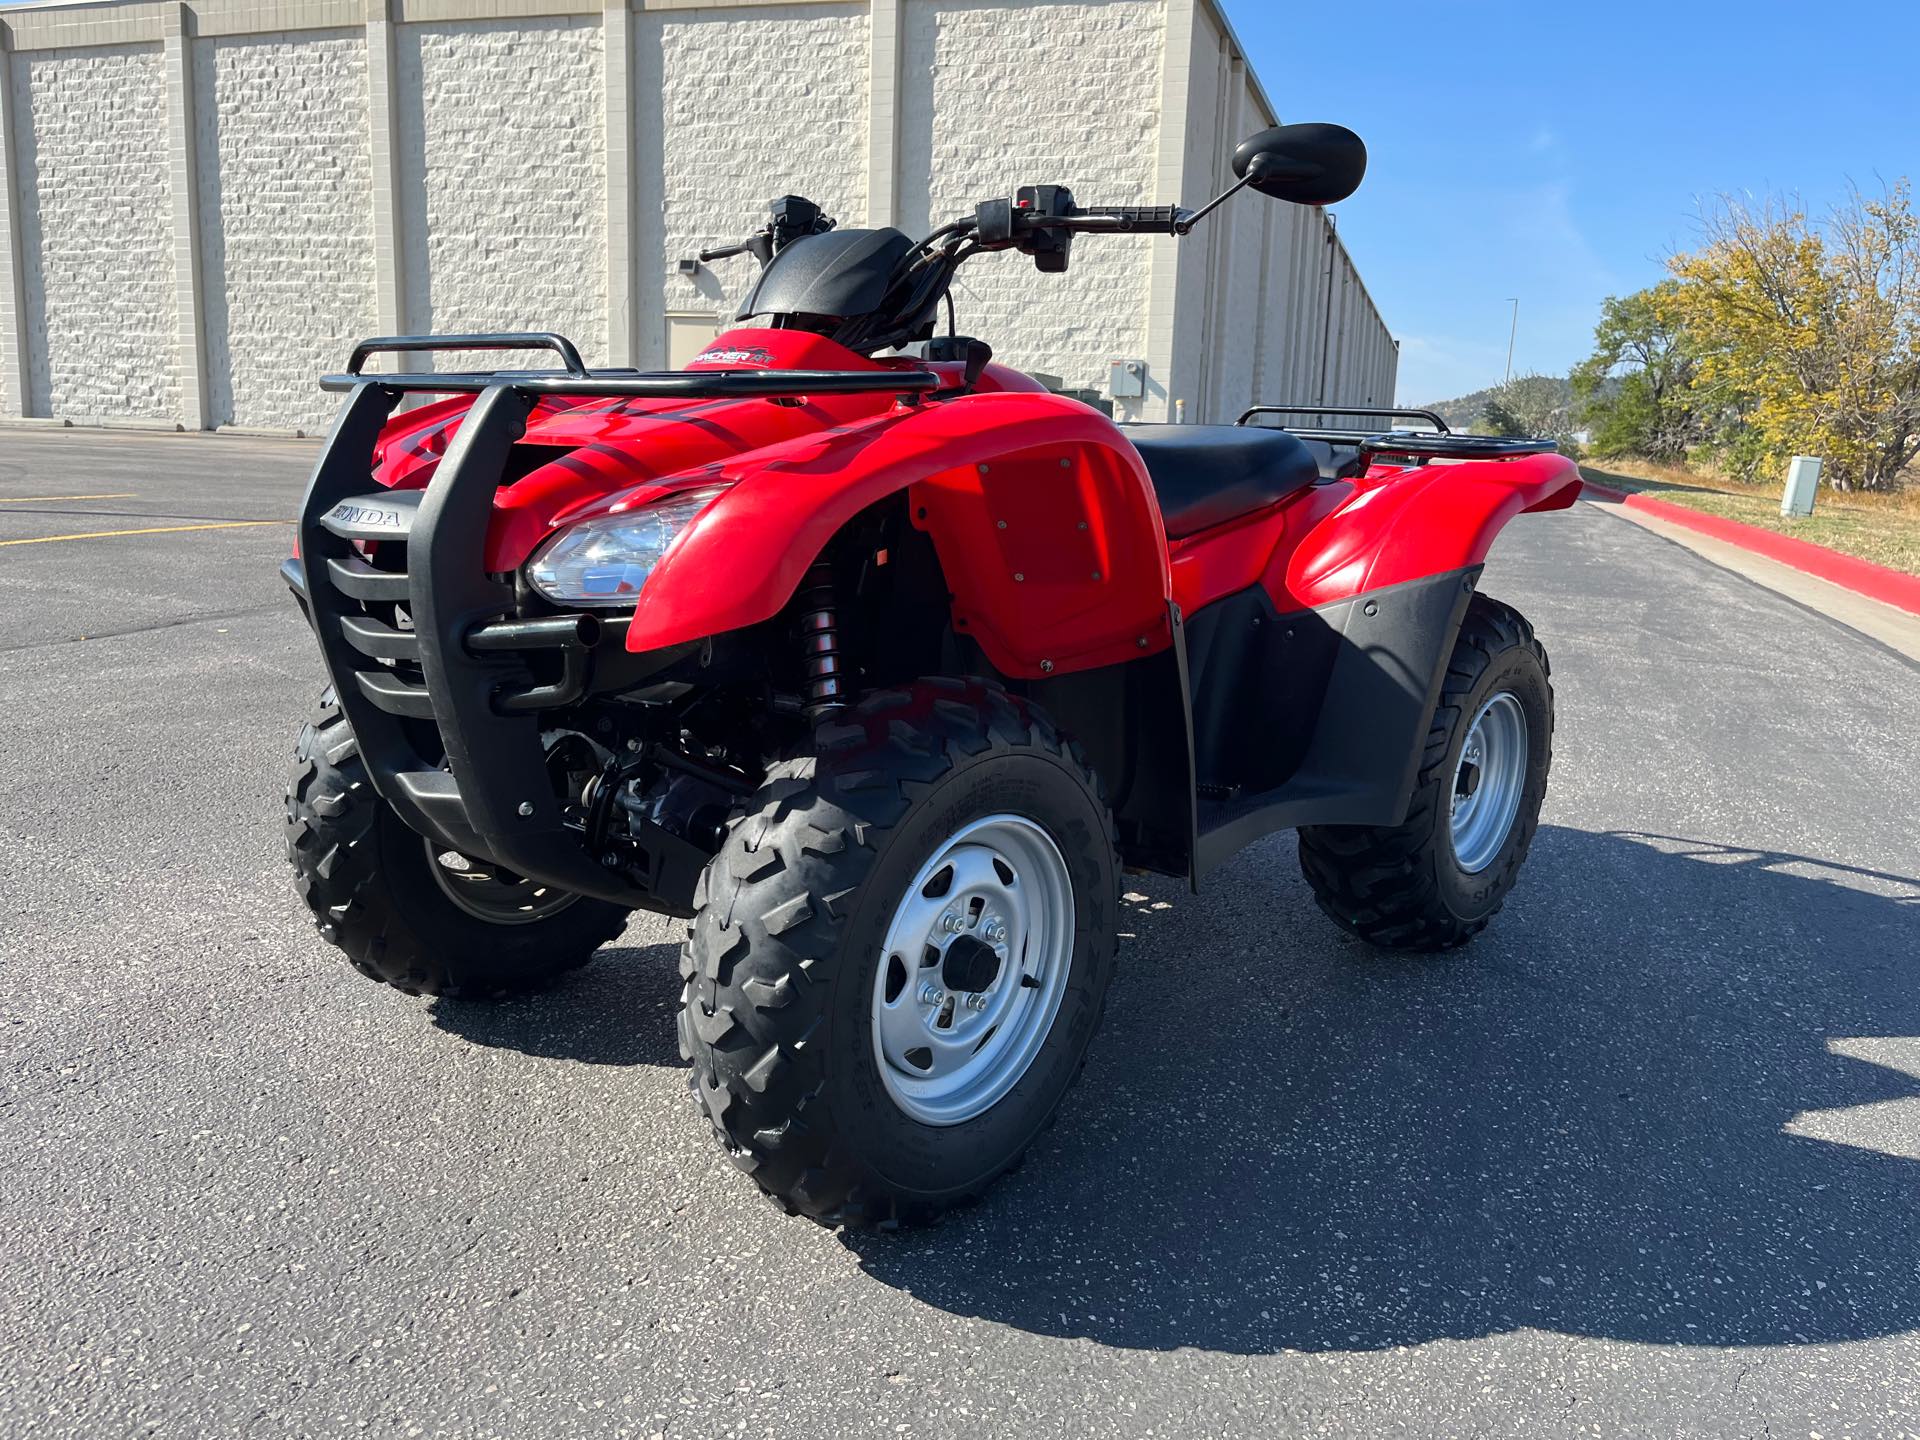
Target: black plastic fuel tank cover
point(840, 274)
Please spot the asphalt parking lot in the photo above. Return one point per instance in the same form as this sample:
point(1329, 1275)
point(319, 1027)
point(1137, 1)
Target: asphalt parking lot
point(1643, 1160)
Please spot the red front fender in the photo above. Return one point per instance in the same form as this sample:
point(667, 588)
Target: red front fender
point(1415, 523)
point(1041, 514)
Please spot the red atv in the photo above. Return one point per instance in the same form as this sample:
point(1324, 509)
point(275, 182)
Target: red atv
point(878, 662)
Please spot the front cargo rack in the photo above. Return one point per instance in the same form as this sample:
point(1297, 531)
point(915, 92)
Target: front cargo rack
point(1439, 443)
point(611, 383)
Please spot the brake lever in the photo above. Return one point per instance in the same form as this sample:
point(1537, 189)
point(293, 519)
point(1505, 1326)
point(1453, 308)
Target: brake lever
point(759, 245)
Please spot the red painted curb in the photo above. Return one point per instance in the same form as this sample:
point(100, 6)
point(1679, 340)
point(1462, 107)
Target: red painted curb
point(1863, 577)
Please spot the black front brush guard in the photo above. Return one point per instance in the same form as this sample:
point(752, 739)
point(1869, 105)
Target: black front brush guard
point(492, 796)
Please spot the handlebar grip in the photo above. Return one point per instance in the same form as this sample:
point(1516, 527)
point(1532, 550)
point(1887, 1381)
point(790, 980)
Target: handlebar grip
point(1117, 219)
point(1162, 218)
point(723, 252)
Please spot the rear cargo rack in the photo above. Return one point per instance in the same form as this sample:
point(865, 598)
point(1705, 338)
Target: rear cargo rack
point(1365, 411)
point(1455, 447)
point(579, 380)
point(1440, 443)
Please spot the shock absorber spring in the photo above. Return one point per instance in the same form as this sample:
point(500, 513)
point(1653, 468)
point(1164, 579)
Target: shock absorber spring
point(820, 641)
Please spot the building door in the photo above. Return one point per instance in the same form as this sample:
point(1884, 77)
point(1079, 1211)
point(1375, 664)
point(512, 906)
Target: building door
point(689, 333)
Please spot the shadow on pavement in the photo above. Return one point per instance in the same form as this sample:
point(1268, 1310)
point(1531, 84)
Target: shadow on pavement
point(1599, 1120)
point(618, 1011)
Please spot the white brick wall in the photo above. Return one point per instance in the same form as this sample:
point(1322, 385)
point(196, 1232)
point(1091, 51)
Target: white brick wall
point(96, 237)
point(995, 96)
point(286, 221)
point(503, 179)
point(738, 106)
point(482, 198)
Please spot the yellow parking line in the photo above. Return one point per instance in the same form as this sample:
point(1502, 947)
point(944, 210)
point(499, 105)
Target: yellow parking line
point(49, 499)
point(153, 530)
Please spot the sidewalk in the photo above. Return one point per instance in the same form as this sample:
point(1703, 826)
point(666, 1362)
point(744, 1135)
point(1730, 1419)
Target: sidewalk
point(1729, 544)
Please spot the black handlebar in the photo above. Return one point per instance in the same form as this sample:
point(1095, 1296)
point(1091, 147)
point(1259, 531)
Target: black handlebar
point(1039, 221)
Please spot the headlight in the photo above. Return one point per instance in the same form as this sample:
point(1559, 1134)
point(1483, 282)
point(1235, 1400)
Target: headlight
point(605, 560)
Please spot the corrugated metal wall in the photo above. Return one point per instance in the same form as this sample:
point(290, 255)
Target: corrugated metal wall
point(1287, 319)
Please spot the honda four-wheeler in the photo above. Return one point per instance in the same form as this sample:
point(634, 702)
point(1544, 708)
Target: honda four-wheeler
point(879, 663)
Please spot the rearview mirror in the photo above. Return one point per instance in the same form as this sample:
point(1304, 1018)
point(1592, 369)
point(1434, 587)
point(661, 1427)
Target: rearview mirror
point(1306, 164)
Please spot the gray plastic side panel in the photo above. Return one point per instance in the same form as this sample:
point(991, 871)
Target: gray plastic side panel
point(1361, 762)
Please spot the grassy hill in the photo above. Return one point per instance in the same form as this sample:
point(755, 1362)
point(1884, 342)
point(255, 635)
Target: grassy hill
point(1468, 410)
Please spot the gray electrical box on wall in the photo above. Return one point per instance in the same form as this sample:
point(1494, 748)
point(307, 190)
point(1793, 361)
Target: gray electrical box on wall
point(1127, 379)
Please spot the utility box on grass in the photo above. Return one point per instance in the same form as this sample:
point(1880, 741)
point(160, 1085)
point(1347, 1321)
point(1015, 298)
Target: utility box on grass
point(1803, 479)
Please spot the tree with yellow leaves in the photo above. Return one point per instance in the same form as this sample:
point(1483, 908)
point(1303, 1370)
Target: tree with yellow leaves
point(1811, 335)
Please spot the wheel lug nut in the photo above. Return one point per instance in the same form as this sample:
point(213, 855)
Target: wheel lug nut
point(931, 994)
point(950, 923)
point(977, 1001)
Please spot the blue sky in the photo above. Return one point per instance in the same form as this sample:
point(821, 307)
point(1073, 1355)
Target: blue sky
point(1560, 152)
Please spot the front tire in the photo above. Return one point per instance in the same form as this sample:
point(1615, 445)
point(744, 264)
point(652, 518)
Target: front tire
point(403, 911)
point(942, 868)
point(1434, 881)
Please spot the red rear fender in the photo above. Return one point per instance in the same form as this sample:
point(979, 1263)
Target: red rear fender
point(1409, 524)
point(1041, 515)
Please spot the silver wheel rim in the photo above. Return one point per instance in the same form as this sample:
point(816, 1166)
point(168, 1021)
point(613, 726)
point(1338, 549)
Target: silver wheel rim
point(487, 893)
point(1488, 781)
point(947, 1054)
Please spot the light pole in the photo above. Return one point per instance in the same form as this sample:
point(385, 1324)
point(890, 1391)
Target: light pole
point(1512, 331)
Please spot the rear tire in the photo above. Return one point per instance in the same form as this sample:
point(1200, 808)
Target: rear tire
point(1405, 887)
point(369, 880)
point(793, 954)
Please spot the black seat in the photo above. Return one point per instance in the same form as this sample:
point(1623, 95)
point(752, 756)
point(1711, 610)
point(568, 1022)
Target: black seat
point(1208, 474)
